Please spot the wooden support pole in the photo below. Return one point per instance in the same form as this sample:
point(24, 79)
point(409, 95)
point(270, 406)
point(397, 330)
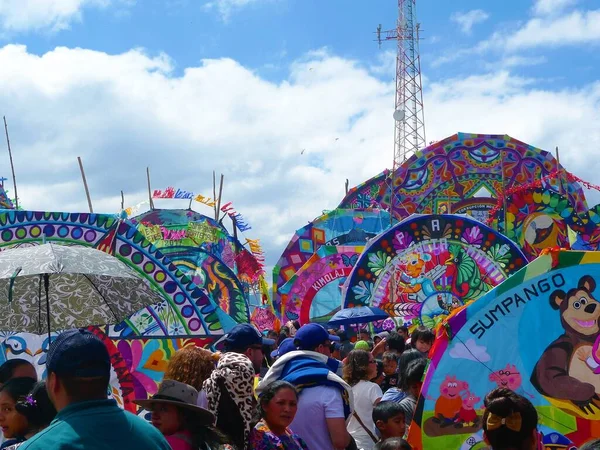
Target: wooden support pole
point(12, 167)
point(215, 195)
point(559, 170)
point(85, 185)
point(220, 194)
point(149, 188)
point(122, 201)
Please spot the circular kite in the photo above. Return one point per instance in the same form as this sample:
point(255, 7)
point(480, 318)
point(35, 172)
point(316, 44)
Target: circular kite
point(536, 334)
point(429, 265)
point(314, 293)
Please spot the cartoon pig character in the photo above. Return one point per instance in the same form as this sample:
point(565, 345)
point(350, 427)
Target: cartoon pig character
point(509, 377)
point(448, 405)
point(467, 414)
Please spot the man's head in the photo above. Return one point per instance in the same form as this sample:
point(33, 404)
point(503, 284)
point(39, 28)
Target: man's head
point(388, 417)
point(364, 335)
point(16, 368)
point(314, 337)
point(78, 366)
point(395, 343)
point(390, 363)
point(403, 331)
point(247, 340)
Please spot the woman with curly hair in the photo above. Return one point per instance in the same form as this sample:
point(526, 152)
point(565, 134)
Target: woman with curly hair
point(360, 367)
point(192, 365)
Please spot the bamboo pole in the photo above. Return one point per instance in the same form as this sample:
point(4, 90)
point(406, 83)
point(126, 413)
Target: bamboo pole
point(559, 170)
point(85, 185)
point(149, 188)
point(215, 195)
point(12, 167)
point(220, 194)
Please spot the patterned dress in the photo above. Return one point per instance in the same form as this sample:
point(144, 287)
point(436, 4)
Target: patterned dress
point(262, 438)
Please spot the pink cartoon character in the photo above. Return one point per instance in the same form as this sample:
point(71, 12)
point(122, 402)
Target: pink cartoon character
point(509, 377)
point(467, 415)
point(448, 405)
point(591, 356)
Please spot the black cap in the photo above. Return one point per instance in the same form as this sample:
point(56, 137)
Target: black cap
point(78, 353)
point(243, 336)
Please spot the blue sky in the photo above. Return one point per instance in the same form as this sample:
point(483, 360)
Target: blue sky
point(244, 86)
point(267, 35)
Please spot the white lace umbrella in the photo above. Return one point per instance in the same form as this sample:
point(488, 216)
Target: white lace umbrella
point(80, 286)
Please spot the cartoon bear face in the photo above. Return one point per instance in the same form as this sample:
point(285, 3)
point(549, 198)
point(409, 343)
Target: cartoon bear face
point(579, 309)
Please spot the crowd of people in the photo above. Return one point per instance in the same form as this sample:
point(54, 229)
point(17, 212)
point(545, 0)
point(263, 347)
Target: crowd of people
point(303, 388)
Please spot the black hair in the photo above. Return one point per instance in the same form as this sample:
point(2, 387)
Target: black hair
point(84, 389)
point(296, 324)
point(389, 356)
point(384, 411)
point(395, 342)
point(422, 334)
point(502, 403)
point(594, 444)
point(414, 373)
point(379, 369)
point(405, 359)
point(202, 434)
point(37, 407)
point(402, 328)
point(395, 443)
point(271, 391)
point(267, 395)
point(18, 388)
point(7, 369)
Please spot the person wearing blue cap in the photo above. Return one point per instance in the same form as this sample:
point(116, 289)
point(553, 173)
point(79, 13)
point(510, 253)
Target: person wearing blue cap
point(247, 340)
point(78, 367)
point(286, 346)
point(325, 400)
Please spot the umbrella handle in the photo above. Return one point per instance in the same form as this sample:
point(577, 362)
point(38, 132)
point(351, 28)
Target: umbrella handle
point(12, 282)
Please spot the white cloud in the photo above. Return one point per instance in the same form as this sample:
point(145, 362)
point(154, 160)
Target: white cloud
point(52, 15)
point(577, 27)
point(467, 20)
point(551, 7)
point(470, 351)
point(124, 112)
point(227, 7)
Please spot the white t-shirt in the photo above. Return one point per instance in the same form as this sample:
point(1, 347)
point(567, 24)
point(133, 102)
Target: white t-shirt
point(316, 404)
point(365, 395)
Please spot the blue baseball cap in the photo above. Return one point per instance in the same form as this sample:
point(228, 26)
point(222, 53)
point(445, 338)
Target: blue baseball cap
point(243, 336)
point(78, 353)
point(312, 335)
point(286, 346)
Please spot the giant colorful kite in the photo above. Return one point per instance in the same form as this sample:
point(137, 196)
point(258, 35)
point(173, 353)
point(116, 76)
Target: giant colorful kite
point(482, 347)
point(187, 310)
point(345, 227)
point(463, 174)
point(314, 293)
point(426, 266)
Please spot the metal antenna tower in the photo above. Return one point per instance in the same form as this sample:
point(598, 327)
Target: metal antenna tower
point(409, 129)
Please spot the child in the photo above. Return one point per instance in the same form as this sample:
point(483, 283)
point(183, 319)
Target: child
point(15, 426)
point(411, 384)
point(394, 444)
point(175, 414)
point(390, 371)
point(388, 417)
point(422, 339)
